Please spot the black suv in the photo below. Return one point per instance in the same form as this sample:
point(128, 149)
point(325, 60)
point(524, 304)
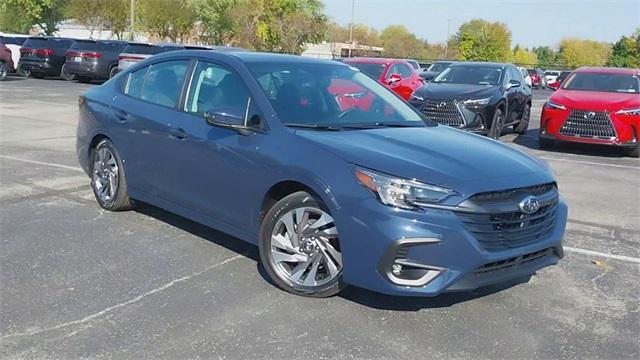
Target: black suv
point(479, 97)
point(94, 59)
point(44, 56)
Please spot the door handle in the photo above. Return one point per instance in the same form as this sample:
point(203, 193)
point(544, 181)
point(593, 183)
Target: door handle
point(122, 116)
point(178, 133)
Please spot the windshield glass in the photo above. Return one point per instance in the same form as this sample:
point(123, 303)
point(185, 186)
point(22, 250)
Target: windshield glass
point(472, 75)
point(439, 67)
point(371, 69)
point(328, 95)
point(619, 83)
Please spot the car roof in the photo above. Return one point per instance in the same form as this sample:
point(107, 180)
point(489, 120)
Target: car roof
point(372, 60)
point(248, 56)
point(102, 41)
point(608, 70)
point(484, 64)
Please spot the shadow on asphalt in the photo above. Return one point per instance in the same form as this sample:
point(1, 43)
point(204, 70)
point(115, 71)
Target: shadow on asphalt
point(357, 295)
point(14, 78)
point(530, 140)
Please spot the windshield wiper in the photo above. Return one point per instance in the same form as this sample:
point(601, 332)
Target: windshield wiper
point(314, 126)
point(377, 125)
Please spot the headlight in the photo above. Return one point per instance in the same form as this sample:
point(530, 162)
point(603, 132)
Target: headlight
point(635, 111)
point(415, 97)
point(475, 102)
point(556, 106)
point(402, 193)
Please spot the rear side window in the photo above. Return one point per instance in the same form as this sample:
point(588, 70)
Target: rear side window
point(158, 83)
point(217, 89)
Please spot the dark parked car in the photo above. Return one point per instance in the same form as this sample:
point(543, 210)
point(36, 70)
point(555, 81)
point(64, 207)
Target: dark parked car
point(257, 145)
point(537, 78)
point(435, 69)
point(479, 97)
point(94, 59)
point(137, 52)
point(44, 56)
point(6, 62)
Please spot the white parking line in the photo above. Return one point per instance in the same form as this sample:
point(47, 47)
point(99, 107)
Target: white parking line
point(601, 254)
point(591, 163)
point(74, 168)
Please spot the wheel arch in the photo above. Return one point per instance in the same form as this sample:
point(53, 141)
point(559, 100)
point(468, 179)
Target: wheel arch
point(282, 189)
point(94, 141)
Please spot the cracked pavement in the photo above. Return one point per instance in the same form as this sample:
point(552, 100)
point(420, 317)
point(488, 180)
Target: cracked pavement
point(79, 282)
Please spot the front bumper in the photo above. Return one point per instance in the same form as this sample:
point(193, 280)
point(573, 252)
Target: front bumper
point(440, 243)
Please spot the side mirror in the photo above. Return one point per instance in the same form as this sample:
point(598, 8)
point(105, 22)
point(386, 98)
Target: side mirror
point(513, 83)
point(230, 121)
point(394, 79)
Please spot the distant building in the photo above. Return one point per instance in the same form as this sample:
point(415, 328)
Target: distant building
point(333, 50)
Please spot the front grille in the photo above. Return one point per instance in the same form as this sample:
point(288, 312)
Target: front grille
point(514, 261)
point(501, 231)
point(507, 194)
point(443, 112)
point(588, 124)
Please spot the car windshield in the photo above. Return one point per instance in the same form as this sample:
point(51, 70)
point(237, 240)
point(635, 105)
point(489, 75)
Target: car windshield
point(330, 97)
point(371, 69)
point(618, 83)
point(96, 45)
point(472, 75)
point(439, 67)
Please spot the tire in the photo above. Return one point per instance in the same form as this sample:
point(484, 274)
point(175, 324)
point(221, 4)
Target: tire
point(83, 79)
point(634, 152)
point(3, 71)
point(65, 75)
point(113, 71)
point(496, 125)
point(303, 260)
point(24, 72)
point(107, 173)
point(522, 127)
point(545, 143)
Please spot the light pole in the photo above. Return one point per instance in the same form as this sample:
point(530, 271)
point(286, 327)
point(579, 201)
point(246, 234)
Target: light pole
point(132, 20)
point(353, 5)
point(446, 41)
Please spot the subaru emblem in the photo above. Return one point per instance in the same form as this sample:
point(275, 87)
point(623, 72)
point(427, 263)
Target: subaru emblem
point(529, 204)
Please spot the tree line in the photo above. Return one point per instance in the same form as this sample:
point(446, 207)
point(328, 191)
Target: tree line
point(286, 25)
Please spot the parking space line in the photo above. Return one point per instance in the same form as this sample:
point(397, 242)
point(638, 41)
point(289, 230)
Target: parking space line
point(601, 254)
point(74, 168)
point(590, 163)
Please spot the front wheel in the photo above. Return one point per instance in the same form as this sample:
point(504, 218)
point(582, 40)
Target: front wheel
point(497, 124)
point(3, 71)
point(522, 126)
point(299, 247)
point(107, 178)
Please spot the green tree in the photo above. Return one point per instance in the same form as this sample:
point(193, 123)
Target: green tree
point(217, 25)
point(89, 13)
point(398, 42)
point(45, 14)
point(547, 57)
point(480, 40)
point(626, 52)
point(576, 52)
point(13, 19)
point(116, 16)
point(166, 19)
point(524, 57)
point(362, 34)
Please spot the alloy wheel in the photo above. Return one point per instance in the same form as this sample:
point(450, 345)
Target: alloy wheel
point(304, 247)
point(105, 175)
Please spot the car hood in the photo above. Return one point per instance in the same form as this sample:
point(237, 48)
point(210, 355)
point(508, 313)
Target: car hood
point(594, 100)
point(437, 155)
point(456, 91)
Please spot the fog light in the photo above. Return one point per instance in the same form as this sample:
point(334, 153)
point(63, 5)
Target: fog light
point(396, 269)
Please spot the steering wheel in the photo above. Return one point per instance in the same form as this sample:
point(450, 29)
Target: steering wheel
point(347, 112)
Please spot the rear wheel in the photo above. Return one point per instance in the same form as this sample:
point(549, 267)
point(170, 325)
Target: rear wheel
point(523, 125)
point(497, 124)
point(299, 247)
point(3, 71)
point(113, 72)
point(107, 178)
point(65, 75)
point(22, 71)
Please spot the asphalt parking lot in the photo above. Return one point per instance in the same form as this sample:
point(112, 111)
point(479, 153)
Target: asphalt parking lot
point(79, 282)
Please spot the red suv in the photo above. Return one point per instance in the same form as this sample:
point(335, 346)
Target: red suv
point(6, 62)
point(397, 75)
point(594, 106)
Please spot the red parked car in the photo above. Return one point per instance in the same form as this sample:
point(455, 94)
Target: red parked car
point(6, 62)
point(397, 75)
point(594, 106)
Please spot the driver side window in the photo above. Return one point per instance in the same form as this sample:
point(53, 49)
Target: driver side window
point(215, 88)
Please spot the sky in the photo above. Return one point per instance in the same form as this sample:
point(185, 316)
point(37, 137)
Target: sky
point(532, 23)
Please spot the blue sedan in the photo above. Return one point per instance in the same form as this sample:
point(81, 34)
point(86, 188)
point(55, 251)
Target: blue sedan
point(335, 178)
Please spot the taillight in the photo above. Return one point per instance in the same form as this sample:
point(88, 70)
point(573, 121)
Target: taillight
point(44, 52)
point(129, 57)
point(93, 55)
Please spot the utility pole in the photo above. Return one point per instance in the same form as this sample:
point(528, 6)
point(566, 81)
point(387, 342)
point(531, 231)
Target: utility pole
point(132, 23)
point(353, 5)
point(446, 41)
